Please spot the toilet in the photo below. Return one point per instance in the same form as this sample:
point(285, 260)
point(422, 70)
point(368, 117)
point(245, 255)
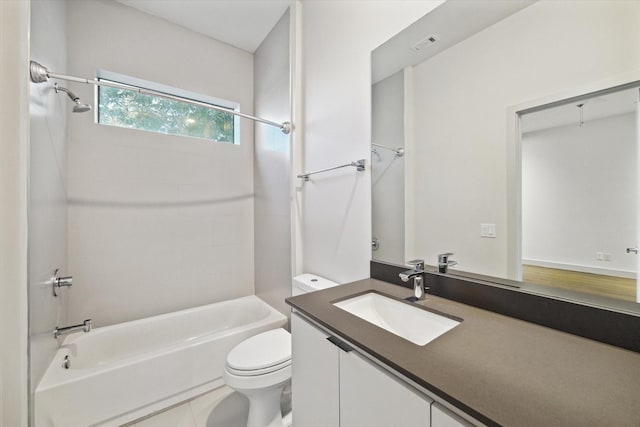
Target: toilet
point(260, 366)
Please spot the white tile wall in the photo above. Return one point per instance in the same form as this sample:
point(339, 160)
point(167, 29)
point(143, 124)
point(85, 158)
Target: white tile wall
point(157, 223)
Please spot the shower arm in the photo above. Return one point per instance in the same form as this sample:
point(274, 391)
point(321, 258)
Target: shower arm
point(40, 74)
point(70, 94)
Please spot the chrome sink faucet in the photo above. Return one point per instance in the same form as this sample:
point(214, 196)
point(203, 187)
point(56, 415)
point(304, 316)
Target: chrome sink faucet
point(417, 274)
point(444, 262)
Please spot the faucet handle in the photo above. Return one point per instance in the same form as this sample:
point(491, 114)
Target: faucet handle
point(444, 262)
point(418, 264)
point(444, 257)
point(58, 282)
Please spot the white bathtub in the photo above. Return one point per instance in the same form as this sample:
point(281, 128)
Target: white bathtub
point(122, 372)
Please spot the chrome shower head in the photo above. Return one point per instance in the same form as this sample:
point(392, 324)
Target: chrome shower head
point(78, 107)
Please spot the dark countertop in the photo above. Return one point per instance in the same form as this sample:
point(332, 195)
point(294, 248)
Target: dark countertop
point(497, 369)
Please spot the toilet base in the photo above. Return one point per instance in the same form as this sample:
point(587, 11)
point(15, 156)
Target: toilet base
point(264, 406)
point(287, 420)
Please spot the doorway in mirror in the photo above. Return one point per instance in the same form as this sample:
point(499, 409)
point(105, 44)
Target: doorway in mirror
point(580, 194)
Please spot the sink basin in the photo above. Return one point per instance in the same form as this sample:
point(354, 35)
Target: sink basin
point(412, 323)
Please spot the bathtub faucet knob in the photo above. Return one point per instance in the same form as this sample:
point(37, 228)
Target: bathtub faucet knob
point(59, 282)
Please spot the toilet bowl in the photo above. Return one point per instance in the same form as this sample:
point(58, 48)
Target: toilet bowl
point(260, 366)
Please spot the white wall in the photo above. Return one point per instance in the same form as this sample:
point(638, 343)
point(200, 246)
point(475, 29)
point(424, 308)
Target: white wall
point(338, 37)
point(572, 178)
point(387, 169)
point(14, 127)
point(47, 185)
point(272, 169)
point(157, 223)
point(462, 96)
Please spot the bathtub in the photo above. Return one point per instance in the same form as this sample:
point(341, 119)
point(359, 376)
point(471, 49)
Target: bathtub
point(123, 372)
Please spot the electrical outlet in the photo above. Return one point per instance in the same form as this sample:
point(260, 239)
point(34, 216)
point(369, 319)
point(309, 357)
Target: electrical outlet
point(603, 256)
point(488, 230)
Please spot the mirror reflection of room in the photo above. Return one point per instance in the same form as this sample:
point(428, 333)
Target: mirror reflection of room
point(579, 195)
point(388, 168)
point(438, 94)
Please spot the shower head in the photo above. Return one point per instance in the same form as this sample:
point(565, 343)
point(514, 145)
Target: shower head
point(80, 108)
point(77, 107)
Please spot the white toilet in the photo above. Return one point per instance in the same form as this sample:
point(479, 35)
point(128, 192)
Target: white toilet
point(260, 366)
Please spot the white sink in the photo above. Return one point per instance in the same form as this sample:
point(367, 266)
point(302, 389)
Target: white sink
point(412, 323)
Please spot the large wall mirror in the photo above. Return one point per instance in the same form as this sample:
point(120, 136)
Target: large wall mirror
point(507, 133)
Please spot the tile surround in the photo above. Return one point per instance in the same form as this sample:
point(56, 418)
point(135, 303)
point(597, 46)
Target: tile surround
point(157, 223)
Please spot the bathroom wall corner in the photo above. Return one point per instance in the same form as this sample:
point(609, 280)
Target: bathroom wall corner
point(272, 166)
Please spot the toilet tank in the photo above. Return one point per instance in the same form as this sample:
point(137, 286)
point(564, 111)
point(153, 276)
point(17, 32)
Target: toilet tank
point(308, 283)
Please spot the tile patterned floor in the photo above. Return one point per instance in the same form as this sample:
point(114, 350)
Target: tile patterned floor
point(219, 408)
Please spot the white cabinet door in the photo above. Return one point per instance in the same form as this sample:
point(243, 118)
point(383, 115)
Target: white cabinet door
point(315, 390)
point(372, 397)
point(335, 387)
point(441, 417)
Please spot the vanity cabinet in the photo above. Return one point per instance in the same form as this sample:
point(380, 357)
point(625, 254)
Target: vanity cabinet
point(333, 386)
point(315, 383)
point(372, 397)
point(442, 417)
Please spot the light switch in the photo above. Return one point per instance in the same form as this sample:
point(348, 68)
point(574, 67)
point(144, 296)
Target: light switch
point(488, 230)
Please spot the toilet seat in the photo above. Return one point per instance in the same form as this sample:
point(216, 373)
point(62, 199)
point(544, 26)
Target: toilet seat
point(261, 354)
point(262, 371)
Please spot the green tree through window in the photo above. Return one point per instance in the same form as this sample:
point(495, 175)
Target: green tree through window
point(130, 109)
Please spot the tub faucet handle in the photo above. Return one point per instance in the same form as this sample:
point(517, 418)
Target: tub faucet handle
point(59, 282)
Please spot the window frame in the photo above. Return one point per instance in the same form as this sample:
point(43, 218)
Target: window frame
point(169, 90)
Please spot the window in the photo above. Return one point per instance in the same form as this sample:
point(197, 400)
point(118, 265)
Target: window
point(134, 110)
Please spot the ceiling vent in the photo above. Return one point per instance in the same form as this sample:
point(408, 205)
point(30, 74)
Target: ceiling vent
point(424, 43)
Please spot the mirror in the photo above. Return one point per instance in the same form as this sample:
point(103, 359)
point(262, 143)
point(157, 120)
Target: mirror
point(456, 90)
point(579, 194)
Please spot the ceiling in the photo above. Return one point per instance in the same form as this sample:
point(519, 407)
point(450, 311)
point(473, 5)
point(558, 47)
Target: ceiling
point(450, 23)
point(240, 23)
point(593, 108)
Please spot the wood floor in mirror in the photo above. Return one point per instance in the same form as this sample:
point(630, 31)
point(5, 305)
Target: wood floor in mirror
point(596, 284)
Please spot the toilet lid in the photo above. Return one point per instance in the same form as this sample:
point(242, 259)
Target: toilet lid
point(265, 350)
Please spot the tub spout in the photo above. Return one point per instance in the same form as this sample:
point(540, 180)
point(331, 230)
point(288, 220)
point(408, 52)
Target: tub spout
point(84, 326)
